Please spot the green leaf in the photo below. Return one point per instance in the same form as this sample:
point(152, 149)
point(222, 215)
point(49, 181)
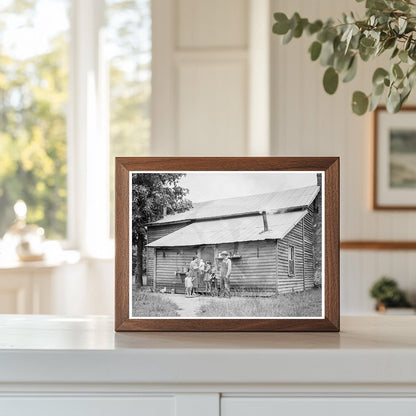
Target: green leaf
point(400, 5)
point(412, 70)
point(327, 53)
point(397, 71)
point(411, 76)
point(404, 95)
point(412, 52)
point(294, 20)
point(348, 35)
point(366, 48)
point(367, 42)
point(374, 101)
point(341, 61)
point(314, 27)
point(359, 103)
point(379, 75)
point(389, 43)
point(378, 89)
point(393, 101)
point(376, 4)
point(402, 24)
point(281, 27)
point(330, 80)
point(408, 42)
point(366, 53)
point(351, 71)
point(288, 37)
point(403, 56)
point(355, 41)
point(395, 52)
point(298, 30)
point(315, 50)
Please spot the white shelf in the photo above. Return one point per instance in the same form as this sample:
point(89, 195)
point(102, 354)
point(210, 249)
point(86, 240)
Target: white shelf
point(48, 349)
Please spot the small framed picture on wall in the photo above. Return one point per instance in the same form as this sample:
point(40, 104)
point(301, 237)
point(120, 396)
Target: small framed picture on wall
point(394, 159)
point(227, 244)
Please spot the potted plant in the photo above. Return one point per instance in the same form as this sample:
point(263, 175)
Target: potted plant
point(387, 294)
point(389, 27)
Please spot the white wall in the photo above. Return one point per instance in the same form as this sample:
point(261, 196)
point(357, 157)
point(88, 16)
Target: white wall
point(308, 122)
point(202, 83)
point(215, 69)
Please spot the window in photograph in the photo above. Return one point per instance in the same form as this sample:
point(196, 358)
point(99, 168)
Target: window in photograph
point(33, 110)
point(291, 264)
point(129, 56)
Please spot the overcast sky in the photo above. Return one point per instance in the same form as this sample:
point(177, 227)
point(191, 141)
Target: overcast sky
point(205, 186)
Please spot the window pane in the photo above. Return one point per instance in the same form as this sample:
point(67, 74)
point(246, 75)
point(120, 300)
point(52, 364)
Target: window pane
point(33, 100)
point(129, 45)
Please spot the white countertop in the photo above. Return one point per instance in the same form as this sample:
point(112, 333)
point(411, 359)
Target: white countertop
point(52, 349)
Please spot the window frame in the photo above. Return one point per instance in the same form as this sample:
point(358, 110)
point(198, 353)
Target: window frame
point(291, 260)
point(87, 133)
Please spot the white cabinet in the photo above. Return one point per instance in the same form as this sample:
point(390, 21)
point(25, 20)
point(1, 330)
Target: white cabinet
point(88, 406)
point(271, 406)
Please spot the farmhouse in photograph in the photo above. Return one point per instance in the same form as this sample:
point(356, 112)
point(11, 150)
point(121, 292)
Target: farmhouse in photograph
point(274, 241)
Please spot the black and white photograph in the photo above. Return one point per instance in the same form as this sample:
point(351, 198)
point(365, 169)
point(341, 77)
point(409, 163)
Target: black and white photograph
point(226, 244)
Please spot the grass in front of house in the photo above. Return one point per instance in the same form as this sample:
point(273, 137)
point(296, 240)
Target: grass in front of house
point(153, 304)
point(299, 304)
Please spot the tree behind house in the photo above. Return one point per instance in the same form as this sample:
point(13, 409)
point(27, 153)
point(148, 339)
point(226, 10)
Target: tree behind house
point(152, 194)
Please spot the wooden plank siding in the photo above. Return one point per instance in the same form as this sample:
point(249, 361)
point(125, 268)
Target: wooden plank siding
point(170, 261)
point(304, 272)
point(256, 269)
point(309, 241)
point(153, 234)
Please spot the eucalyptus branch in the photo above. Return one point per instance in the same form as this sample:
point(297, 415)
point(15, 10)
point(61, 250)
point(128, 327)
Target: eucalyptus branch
point(389, 25)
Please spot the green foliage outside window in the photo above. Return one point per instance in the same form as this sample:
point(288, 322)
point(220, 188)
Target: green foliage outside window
point(34, 86)
point(33, 100)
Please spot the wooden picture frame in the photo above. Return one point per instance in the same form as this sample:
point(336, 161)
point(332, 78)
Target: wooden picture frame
point(391, 174)
point(327, 167)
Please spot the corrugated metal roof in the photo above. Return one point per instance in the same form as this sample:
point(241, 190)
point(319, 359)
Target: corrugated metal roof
point(231, 230)
point(291, 198)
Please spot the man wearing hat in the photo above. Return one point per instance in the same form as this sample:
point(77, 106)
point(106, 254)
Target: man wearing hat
point(225, 272)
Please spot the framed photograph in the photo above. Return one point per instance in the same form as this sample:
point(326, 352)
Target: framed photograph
point(227, 244)
point(395, 159)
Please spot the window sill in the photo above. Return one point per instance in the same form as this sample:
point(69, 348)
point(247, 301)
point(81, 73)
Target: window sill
point(62, 258)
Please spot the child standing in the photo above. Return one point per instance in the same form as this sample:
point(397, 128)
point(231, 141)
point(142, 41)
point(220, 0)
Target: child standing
point(188, 285)
point(207, 277)
point(213, 284)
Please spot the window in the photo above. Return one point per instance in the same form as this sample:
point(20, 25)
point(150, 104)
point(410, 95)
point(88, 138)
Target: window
point(129, 43)
point(291, 261)
point(235, 250)
point(75, 87)
point(33, 112)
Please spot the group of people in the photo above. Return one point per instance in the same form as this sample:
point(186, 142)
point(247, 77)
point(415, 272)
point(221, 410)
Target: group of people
point(214, 282)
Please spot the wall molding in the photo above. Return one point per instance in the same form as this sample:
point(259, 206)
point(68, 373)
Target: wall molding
point(377, 245)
